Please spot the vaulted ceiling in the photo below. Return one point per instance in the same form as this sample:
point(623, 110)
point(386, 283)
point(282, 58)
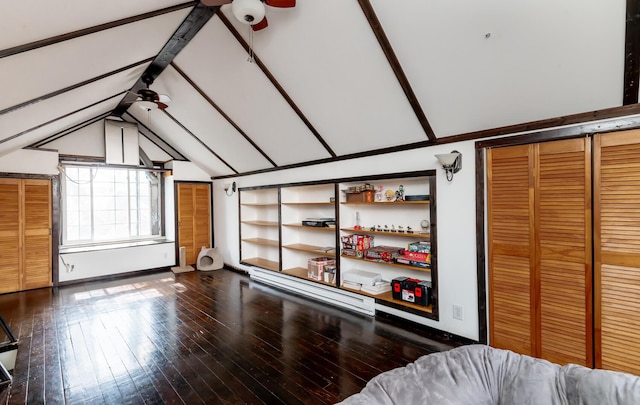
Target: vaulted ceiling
point(330, 79)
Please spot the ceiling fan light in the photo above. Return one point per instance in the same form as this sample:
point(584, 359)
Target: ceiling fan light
point(147, 105)
point(248, 11)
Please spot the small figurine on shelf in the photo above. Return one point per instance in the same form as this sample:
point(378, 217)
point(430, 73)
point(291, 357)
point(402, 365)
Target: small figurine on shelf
point(393, 228)
point(373, 228)
point(379, 228)
point(386, 228)
point(379, 193)
point(409, 230)
point(357, 225)
point(400, 229)
point(400, 193)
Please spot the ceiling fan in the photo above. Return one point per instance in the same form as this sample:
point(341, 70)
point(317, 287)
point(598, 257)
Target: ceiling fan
point(251, 12)
point(150, 100)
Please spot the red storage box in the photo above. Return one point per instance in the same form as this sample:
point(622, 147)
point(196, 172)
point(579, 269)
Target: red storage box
point(386, 254)
point(417, 256)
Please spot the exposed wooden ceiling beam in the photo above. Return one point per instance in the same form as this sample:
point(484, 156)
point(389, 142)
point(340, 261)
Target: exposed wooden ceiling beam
point(86, 31)
point(188, 29)
point(381, 36)
point(632, 53)
point(276, 84)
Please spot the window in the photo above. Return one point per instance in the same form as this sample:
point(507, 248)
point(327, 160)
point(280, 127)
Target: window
point(104, 204)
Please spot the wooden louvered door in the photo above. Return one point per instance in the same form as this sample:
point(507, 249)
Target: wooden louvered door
point(37, 233)
point(511, 245)
point(194, 218)
point(25, 234)
point(539, 231)
point(617, 250)
point(563, 251)
point(10, 234)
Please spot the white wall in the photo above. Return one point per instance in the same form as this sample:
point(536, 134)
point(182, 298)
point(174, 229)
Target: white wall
point(30, 161)
point(457, 280)
point(105, 262)
point(187, 171)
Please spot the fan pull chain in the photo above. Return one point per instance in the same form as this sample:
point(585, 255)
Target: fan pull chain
point(250, 59)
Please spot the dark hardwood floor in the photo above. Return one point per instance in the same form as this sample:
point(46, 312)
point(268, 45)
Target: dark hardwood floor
point(196, 338)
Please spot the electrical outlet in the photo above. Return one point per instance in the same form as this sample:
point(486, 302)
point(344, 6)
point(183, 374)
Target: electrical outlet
point(457, 312)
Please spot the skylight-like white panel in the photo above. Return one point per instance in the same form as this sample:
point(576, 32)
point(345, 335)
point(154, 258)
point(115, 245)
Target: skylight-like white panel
point(30, 21)
point(327, 58)
point(218, 64)
point(28, 75)
point(480, 65)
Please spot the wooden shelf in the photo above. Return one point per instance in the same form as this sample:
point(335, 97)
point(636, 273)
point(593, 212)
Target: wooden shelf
point(261, 223)
point(259, 204)
point(309, 203)
point(264, 263)
point(417, 235)
point(388, 297)
point(310, 248)
point(421, 202)
point(404, 266)
point(301, 272)
point(317, 228)
point(262, 241)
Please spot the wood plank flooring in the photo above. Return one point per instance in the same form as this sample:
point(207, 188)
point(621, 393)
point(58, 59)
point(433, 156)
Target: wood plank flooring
point(196, 338)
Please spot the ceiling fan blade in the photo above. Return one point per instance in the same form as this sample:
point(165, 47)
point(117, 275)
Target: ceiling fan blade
point(261, 25)
point(163, 98)
point(212, 3)
point(281, 3)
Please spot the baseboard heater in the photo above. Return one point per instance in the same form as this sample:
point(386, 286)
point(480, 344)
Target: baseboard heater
point(316, 291)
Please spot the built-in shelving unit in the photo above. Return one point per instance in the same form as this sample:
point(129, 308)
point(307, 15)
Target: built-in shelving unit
point(259, 227)
point(397, 211)
point(300, 242)
point(392, 221)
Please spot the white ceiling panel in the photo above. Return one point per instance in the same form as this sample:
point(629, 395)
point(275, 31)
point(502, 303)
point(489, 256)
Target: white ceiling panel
point(28, 75)
point(38, 113)
point(183, 142)
point(87, 141)
point(327, 58)
point(30, 21)
point(200, 118)
point(218, 64)
point(480, 65)
point(152, 150)
point(54, 127)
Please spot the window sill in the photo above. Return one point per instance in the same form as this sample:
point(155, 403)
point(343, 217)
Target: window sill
point(107, 246)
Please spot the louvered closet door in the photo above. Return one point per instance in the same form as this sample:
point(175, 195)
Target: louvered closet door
point(617, 250)
point(37, 234)
point(185, 220)
point(202, 218)
point(511, 248)
point(563, 251)
point(194, 218)
point(10, 231)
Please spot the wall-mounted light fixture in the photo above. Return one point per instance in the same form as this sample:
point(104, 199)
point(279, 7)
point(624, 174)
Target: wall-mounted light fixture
point(231, 186)
point(451, 163)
